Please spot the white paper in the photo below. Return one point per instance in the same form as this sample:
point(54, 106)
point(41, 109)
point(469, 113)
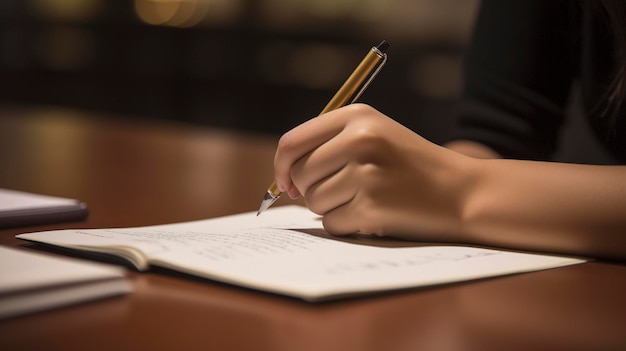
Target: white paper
point(30, 281)
point(11, 200)
point(273, 252)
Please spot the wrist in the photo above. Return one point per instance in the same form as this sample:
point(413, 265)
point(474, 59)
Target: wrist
point(472, 149)
point(469, 184)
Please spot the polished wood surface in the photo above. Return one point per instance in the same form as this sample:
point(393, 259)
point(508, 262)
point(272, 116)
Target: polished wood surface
point(139, 172)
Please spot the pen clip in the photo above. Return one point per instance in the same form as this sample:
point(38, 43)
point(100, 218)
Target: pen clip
point(373, 75)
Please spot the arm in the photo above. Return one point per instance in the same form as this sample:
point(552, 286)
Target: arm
point(544, 206)
point(472, 148)
point(365, 173)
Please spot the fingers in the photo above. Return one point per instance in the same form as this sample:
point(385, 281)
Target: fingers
point(301, 140)
point(307, 137)
point(324, 161)
point(338, 221)
point(354, 217)
point(332, 192)
point(328, 158)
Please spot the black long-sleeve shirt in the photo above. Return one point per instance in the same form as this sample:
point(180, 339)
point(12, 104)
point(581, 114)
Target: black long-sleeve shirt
point(524, 57)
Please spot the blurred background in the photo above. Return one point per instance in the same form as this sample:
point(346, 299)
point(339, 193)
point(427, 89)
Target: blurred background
point(257, 65)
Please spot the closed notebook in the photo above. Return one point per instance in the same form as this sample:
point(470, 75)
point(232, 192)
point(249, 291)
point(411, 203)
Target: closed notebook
point(19, 209)
point(31, 281)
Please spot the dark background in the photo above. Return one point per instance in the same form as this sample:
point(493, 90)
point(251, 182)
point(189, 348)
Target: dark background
point(261, 66)
point(257, 65)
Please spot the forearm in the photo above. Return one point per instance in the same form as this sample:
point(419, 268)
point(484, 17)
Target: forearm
point(552, 207)
point(472, 149)
point(365, 173)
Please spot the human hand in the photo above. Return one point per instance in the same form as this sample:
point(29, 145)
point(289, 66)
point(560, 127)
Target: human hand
point(365, 173)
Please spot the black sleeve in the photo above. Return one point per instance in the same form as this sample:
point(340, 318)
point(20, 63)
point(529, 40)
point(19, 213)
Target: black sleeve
point(518, 73)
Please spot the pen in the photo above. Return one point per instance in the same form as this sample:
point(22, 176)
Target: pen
point(351, 89)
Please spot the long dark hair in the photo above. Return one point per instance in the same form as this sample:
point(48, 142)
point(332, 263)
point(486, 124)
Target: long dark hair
point(615, 13)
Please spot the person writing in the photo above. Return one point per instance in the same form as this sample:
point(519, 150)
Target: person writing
point(494, 185)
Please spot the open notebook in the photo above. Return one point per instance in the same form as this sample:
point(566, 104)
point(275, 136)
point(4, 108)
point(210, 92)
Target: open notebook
point(279, 252)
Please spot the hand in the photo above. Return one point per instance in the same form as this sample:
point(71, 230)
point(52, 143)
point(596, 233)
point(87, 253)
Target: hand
point(365, 173)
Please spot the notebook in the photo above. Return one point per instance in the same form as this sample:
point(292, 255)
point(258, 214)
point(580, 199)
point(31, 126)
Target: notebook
point(286, 251)
point(18, 208)
point(31, 281)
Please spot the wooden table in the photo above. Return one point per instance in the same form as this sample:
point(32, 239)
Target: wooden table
point(140, 172)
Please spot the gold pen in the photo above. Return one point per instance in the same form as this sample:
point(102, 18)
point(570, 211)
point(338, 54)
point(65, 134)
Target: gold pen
point(353, 87)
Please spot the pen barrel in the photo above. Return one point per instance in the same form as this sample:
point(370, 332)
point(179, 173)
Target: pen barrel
point(352, 86)
point(356, 83)
point(273, 190)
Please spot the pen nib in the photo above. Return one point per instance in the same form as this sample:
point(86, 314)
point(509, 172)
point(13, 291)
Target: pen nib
point(268, 200)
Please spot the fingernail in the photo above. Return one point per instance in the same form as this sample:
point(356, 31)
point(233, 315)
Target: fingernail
point(294, 193)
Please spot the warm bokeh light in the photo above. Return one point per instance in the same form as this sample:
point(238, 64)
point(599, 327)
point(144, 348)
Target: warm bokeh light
point(189, 13)
point(186, 13)
point(156, 12)
point(68, 10)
